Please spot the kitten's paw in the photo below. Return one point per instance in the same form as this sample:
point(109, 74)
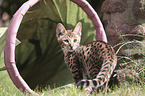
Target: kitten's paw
point(83, 83)
point(88, 89)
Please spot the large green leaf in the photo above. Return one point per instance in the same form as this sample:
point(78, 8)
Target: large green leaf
point(2, 44)
point(38, 57)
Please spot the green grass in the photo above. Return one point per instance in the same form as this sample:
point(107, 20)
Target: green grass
point(125, 89)
point(7, 87)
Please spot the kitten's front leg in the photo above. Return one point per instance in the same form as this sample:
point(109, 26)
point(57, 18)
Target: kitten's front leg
point(76, 72)
point(74, 66)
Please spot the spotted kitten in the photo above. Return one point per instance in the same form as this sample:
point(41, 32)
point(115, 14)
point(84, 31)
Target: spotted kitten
point(96, 61)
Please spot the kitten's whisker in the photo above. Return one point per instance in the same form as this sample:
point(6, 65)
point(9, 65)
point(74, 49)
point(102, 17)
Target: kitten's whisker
point(58, 51)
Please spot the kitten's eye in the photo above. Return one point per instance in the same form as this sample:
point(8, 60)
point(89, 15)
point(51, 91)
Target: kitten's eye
point(75, 40)
point(60, 34)
point(66, 41)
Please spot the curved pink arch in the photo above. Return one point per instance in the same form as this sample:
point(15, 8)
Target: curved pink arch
point(9, 51)
point(100, 32)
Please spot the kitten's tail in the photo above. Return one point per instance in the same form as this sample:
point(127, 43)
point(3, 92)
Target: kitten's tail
point(104, 74)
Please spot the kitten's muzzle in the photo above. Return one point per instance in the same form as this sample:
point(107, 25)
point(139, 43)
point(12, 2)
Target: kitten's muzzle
point(71, 47)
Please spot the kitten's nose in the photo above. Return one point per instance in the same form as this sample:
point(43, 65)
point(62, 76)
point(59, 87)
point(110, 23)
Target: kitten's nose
point(71, 47)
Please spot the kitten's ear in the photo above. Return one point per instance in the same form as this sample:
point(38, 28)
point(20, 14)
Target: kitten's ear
point(60, 30)
point(78, 28)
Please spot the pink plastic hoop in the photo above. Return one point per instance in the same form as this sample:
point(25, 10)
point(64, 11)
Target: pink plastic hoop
point(100, 32)
point(9, 51)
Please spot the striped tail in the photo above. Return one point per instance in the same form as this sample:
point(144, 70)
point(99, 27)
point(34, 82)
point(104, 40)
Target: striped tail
point(105, 73)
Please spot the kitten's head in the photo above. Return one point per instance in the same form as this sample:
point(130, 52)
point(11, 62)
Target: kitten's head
point(69, 40)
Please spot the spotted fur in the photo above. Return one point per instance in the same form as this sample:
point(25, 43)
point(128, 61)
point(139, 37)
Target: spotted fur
point(95, 61)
